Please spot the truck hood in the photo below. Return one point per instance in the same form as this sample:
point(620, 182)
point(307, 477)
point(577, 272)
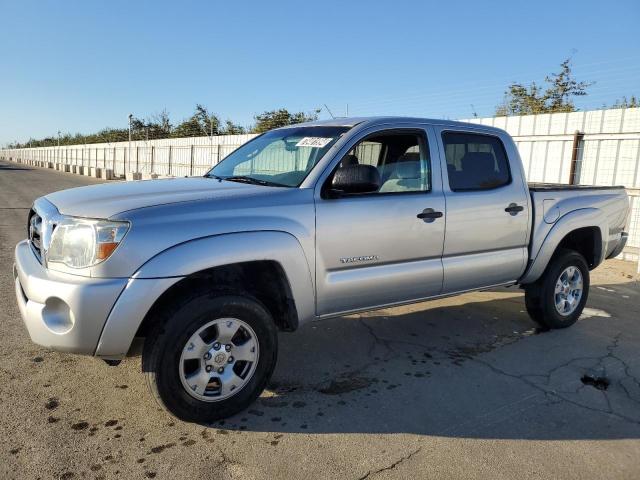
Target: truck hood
point(109, 199)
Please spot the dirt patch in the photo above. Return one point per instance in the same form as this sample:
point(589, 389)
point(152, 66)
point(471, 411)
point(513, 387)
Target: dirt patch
point(80, 426)
point(162, 448)
point(345, 385)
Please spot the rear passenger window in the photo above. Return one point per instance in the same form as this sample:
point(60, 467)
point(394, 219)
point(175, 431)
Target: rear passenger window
point(475, 162)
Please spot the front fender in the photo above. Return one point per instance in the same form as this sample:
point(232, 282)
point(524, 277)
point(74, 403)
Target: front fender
point(170, 266)
point(582, 218)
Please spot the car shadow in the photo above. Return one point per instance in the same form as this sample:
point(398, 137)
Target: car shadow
point(4, 166)
point(468, 366)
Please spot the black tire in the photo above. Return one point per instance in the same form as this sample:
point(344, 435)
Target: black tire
point(163, 348)
point(540, 296)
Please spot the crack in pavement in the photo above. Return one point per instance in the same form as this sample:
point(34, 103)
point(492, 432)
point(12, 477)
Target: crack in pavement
point(559, 392)
point(376, 339)
point(390, 467)
point(552, 396)
point(457, 354)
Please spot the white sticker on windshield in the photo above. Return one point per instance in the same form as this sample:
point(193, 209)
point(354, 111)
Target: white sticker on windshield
point(314, 142)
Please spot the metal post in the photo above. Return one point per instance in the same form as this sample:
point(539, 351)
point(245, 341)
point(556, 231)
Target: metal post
point(152, 155)
point(577, 140)
point(169, 173)
point(191, 163)
point(129, 150)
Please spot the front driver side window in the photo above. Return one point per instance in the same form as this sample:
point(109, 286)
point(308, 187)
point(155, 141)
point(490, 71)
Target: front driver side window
point(402, 160)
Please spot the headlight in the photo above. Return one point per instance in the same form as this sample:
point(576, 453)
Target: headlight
point(81, 243)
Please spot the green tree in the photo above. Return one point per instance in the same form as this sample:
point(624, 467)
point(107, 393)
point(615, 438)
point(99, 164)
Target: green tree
point(209, 123)
point(201, 123)
point(154, 127)
point(632, 102)
point(558, 95)
point(280, 118)
point(231, 128)
point(187, 128)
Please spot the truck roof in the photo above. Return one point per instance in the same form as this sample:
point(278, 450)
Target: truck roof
point(371, 121)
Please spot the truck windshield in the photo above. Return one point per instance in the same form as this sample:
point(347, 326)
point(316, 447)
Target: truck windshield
point(279, 157)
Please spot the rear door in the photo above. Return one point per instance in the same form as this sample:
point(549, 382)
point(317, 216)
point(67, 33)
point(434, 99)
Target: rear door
point(373, 249)
point(487, 211)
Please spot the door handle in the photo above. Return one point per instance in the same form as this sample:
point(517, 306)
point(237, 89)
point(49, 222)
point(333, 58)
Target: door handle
point(429, 215)
point(513, 209)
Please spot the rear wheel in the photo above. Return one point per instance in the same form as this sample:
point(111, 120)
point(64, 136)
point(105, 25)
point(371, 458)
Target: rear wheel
point(557, 299)
point(212, 357)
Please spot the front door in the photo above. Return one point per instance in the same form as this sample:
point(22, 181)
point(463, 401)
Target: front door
point(373, 249)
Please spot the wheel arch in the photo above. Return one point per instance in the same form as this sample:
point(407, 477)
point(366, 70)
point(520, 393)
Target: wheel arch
point(265, 280)
point(234, 258)
point(584, 231)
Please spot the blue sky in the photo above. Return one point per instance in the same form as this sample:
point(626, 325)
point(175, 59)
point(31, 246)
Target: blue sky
point(80, 66)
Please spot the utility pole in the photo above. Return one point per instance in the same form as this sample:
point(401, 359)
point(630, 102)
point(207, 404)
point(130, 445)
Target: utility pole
point(129, 148)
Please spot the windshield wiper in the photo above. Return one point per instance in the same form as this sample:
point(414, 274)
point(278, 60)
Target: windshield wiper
point(251, 180)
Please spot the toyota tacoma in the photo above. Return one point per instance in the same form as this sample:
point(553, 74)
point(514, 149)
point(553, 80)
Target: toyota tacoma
point(301, 223)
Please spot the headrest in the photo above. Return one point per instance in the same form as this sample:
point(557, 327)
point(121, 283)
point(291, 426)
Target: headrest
point(357, 179)
point(348, 161)
point(481, 163)
point(408, 170)
point(409, 157)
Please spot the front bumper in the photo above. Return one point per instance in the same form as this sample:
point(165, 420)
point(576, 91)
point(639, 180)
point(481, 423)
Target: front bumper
point(61, 311)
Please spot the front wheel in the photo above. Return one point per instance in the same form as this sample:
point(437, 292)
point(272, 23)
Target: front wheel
point(212, 356)
point(557, 299)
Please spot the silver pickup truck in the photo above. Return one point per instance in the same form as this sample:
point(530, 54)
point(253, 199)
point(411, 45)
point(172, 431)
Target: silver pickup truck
point(305, 222)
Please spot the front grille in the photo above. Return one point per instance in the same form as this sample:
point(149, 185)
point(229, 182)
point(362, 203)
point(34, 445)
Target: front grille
point(34, 227)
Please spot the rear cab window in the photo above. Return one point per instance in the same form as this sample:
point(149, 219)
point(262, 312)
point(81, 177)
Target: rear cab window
point(475, 161)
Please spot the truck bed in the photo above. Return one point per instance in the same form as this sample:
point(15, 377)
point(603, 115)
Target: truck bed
point(552, 201)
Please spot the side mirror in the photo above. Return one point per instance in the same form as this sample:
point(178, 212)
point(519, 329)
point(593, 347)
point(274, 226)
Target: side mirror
point(355, 179)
